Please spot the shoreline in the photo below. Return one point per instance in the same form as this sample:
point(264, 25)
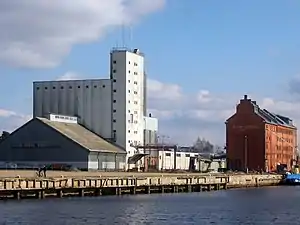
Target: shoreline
point(114, 183)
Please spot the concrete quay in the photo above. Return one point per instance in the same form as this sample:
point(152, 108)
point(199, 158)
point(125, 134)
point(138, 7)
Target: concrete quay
point(126, 183)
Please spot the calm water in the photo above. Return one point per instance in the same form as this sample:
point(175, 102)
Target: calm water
point(276, 205)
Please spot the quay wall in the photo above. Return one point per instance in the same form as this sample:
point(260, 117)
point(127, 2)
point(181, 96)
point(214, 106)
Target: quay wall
point(21, 187)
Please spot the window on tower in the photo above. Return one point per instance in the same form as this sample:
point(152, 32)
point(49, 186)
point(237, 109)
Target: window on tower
point(131, 118)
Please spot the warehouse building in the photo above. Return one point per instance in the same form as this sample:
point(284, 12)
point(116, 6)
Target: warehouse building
point(113, 108)
point(257, 139)
point(60, 140)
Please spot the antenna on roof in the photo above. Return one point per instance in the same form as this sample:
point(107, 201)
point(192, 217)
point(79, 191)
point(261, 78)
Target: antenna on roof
point(123, 34)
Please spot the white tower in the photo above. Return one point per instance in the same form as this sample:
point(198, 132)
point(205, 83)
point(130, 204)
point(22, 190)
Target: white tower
point(128, 103)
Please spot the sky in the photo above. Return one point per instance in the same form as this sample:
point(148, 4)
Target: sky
point(201, 56)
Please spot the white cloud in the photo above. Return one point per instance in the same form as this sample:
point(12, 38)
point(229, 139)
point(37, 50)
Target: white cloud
point(69, 76)
point(39, 34)
point(187, 116)
point(10, 120)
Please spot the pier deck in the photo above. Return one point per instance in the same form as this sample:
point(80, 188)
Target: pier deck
point(96, 184)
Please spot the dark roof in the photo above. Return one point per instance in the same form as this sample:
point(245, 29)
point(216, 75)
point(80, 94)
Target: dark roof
point(83, 136)
point(272, 118)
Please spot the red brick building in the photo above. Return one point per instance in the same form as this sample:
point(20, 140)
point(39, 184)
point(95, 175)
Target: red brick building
point(257, 139)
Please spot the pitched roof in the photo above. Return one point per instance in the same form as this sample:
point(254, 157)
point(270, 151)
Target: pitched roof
point(83, 136)
point(272, 118)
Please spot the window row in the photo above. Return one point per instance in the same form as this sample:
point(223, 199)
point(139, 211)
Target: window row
point(135, 64)
point(135, 132)
point(70, 87)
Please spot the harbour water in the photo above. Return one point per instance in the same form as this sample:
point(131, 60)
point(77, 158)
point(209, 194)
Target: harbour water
point(271, 205)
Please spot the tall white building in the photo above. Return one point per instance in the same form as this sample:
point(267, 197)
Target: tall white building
point(113, 108)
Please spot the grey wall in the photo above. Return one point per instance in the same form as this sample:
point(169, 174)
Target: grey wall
point(150, 137)
point(107, 161)
point(36, 142)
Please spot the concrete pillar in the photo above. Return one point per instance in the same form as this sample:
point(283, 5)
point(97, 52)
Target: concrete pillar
point(133, 190)
point(162, 189)
point(175, 189)
point(81, 192)
point(209, 187)
point(147, 190)
point(59, 193)
point(225, 186)
point(17, 195)
point(118, 191)
point(40, 194)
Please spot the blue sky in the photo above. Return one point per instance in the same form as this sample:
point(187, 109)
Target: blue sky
point(227, 48)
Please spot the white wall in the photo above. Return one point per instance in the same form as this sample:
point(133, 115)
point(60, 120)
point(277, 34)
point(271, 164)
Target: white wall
point(127, 73)
point(150, 123)
point(89, 100)
point(166, 160)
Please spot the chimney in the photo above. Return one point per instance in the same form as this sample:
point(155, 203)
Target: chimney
point(245, 97)
point(150, 115)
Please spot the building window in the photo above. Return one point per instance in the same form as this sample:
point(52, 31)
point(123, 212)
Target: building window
point(115, 111)
point(104, 85)
point(187, 155)
point(38, 88)
point(114, 121)
point(128, 101)
point(135, 82)
point(128, 62)
point(128, 81)
point(128, 131)
point(178, 155)
point(70, 87)
point(168, 154)
point(135, 73)
point(135, 132)
point(135, 102)
point(114, 62)
point(135, 112)
point(53, 87)
point(128, 71)
point(135, 64)
point(46, 88)
point(61, 87)
point(128, 111)
point(95, 86)
point(78, 86)
point(131, 118)
point(135, 121)
point(87, 86)
point(135, 92)
point(128, 91)
point(115, 80)
point(115, 101)
point(115, 90)
point(114, 71)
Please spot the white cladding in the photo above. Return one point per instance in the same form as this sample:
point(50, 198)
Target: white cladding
point(127, 74)
point(112, 108)
point(151, 123)
point(63, 119)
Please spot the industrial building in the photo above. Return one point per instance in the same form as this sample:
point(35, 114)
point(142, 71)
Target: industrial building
point(60, 140)
point(114, 108)
point(259, 140)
